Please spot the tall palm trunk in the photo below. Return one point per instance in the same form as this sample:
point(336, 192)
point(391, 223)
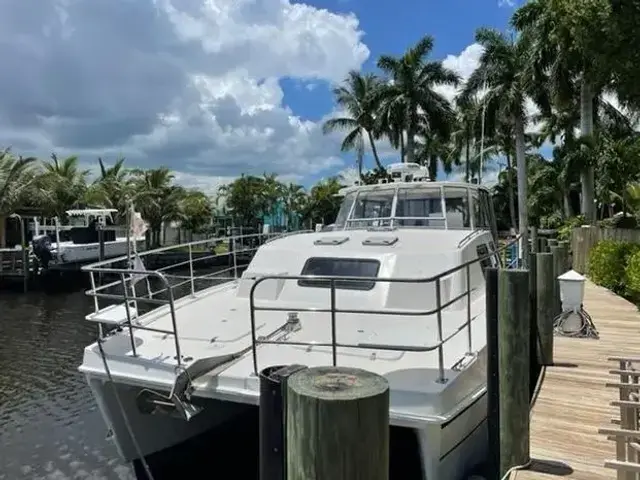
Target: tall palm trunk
point(566, 204)
point(411, 144)
point(521, 163)
point(467, 165)
point(374, 150)
point(587, 173)
point(403, 151)
point(433, 167)
point(512, 198)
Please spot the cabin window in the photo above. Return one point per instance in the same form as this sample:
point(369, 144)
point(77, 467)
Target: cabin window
point(420, 208)
point(345, 209)
point(457, 204)
point(480, 211)
point(340, 267)
point(374, 206)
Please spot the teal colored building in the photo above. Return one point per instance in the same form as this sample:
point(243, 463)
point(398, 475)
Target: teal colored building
point(280, 220)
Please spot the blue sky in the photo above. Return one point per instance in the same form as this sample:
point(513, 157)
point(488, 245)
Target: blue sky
point(209, 88)
point(391, 27)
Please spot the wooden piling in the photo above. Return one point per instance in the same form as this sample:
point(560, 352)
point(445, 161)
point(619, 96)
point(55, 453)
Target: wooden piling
point(337, 425)
point(542, 245)
point(513, 361)
point(493, 379)
point(565, 245)
point(552, 242)
point(534, 365)
point(534, 240)
point(559, 267)
point(545, 307)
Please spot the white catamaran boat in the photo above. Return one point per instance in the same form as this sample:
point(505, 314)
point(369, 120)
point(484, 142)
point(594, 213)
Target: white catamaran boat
point(416, 315)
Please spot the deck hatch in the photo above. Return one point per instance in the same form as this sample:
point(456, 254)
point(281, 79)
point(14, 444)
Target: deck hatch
point(331, 240)
point(340, 267)
point(380, 240)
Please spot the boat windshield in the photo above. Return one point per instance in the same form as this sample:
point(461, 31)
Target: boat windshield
point(419, 205)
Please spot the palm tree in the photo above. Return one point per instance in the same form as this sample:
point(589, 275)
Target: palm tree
point(112, 187)
point(157, 198)
point(411, 96)
point(194, 211)
point(502, 71)
point(18, 177)
point(565, 38)
point(469, 120)
point(356, 97)
point(67, 183)
point(294, 200)
point(323, 204)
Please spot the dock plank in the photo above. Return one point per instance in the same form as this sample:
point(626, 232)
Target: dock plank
point(574, 402)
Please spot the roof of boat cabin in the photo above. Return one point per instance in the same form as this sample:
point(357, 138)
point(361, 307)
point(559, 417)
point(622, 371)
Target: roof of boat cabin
point(409, 241)
point(379, 186)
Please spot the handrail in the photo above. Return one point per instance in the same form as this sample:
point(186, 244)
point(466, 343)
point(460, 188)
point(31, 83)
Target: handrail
point(333, 309)
point(126, 276)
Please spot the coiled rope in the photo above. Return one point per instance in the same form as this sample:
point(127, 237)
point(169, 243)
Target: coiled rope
point(586, 329)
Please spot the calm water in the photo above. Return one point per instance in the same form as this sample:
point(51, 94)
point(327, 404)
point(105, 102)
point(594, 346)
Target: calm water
point(50, 427)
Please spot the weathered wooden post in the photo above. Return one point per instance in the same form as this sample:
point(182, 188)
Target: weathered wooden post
point(552, 242)
point(337, 425)
point(566, 247)
point(271, 424)
point(534, 239)
point(534, 365)
point(542, 245)
point(493, 379)
point(559, 267)
point(545, 307)
point(513, 362)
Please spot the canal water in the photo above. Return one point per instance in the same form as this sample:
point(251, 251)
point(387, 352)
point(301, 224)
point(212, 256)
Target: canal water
point(50, 427)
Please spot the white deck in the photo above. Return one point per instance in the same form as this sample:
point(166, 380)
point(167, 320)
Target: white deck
point(217, 323)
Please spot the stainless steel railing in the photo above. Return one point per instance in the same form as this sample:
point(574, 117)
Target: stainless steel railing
point(333, 310)
point(126, 279)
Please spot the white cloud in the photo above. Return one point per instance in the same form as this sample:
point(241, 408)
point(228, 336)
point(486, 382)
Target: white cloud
point(463, 64)
point(191, 84)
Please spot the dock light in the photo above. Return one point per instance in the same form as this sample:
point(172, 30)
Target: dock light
point(571, 291)
point(574, 321)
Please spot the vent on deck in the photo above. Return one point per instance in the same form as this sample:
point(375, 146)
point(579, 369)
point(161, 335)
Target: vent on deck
point(331, 241)
point(380, 241)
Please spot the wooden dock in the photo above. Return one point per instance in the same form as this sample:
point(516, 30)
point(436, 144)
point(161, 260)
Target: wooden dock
point(574, 401)
point(15, 265)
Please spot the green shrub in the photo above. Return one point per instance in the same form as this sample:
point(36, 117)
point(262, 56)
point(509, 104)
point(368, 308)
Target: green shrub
point(564, 232)
point(632, 275)
point(607, 264)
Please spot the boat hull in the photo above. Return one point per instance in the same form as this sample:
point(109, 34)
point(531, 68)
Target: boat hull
point(172, 446)
point(153, 432)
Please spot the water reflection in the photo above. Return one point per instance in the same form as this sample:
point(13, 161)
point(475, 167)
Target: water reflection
point(49, 424)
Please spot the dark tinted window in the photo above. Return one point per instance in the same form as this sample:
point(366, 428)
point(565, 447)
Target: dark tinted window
point(483, 253)
point(340, 267)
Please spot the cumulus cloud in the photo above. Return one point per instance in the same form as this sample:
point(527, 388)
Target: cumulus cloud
point(191, 84)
